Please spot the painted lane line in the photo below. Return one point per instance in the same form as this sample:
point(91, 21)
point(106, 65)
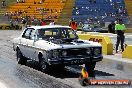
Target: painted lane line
point(126, 60)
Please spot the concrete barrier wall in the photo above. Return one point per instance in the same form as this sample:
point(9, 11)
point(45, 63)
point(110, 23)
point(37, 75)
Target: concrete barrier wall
point(8, 27)
point(127, 52)
point(107, 46)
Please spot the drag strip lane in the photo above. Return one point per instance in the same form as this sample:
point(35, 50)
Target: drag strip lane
point(20, 76)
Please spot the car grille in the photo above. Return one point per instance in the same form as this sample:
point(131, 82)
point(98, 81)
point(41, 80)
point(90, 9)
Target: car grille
point(76, 52)
point(82, 52)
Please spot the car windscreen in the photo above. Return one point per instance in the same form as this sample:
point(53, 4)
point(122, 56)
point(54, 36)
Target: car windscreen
point(57, 33)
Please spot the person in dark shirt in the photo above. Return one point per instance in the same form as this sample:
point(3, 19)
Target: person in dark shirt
point(3, 3)
point(111, 27)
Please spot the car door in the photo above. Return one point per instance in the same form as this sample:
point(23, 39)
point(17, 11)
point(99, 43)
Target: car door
point(24, 42)
point(31, 45)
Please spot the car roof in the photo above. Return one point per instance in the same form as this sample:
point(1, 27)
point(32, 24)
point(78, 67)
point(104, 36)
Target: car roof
point(49, 26)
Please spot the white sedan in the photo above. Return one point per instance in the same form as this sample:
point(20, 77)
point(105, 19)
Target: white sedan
point(56, 45)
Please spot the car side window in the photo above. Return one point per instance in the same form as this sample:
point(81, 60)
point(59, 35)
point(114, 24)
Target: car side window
point(31, 36)
point(27, 33)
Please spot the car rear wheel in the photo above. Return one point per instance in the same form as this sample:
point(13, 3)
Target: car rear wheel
point(90, 68)
point(20, 58)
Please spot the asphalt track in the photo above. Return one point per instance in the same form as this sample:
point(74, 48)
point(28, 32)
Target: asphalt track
point(13, 75)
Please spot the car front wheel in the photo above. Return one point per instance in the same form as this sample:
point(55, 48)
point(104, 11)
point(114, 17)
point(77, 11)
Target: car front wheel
point(44, 67)
point(20, 58)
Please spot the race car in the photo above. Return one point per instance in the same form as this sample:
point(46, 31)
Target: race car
point(56, 45)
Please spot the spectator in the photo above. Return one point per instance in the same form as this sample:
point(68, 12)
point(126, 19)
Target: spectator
point(77, 12)
point(90, 1)
point(63, 1)
point(29, 7)
point(120, 11)
point(94, 1)
point(52, 23)
point(43, 23)
point(3, 3)
point(16, 24)
point(40, 2)
point(111, 27)
point(35, 21)
point(39, 22)
point(73, 24)
point(34, 2)
point(11, 25)
point(28, 20)
point(120, 29)
point(23, 1)
point(43, 1)
point(24, 23)
point(18, 1)
point(110, 1)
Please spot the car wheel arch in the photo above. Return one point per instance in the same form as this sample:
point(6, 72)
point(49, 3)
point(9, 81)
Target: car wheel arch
point(20, 58)
point(40, 55)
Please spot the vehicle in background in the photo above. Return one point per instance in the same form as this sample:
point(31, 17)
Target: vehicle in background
point(92, 28)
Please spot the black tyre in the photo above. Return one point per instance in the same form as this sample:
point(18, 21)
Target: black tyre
point(90, 68)
point(20, 58)
point(44, 67)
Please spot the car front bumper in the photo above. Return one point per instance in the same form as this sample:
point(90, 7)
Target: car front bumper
point(75, 61)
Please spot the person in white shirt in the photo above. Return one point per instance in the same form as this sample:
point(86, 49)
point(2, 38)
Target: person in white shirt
point(52, 23)
point(18, 1)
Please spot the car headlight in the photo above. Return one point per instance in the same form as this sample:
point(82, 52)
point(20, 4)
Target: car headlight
point(55, 54)
point(96, 51)
point(88, 51)
point(64, 53)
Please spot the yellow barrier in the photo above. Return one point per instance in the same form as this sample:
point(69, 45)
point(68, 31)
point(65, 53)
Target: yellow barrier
point(8, 27)
point(129, 30)
point(105, 41)
point(127, 52)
